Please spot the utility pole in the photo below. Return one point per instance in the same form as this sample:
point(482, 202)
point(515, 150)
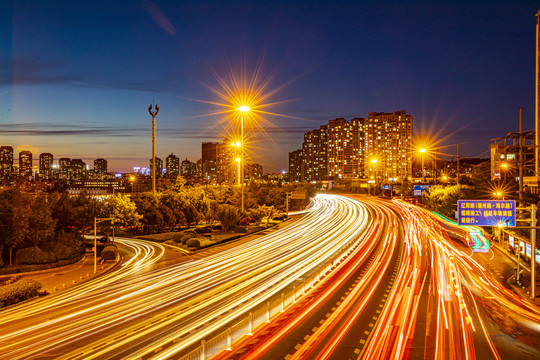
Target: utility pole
point(287, 194)
point(457, 170)
point(153, 112)
point(521, 157)
point(536, 97)
point(533, 251)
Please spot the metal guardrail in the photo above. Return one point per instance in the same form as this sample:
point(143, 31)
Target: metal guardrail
point(265, 312)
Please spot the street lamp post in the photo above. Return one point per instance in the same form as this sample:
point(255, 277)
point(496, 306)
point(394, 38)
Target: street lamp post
point(374, 162)
point(243, 109)
point(422, 152)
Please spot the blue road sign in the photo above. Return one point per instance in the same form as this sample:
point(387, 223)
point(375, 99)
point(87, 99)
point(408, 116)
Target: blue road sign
point(487, 212)
point(385, 187)
point(419, 189)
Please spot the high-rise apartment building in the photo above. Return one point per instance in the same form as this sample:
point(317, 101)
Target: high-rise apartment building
point(45, 165)
point(6, 161)
point(344, 149)
point(100, 166)
point(388, 140)
point(314, 150)
point(172, 165)
point(253, 171)
point(377, 146)
point(25, 163)
point(159, 167)
point(296, 166)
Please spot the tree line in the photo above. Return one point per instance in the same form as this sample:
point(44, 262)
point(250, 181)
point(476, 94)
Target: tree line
point(46, 220)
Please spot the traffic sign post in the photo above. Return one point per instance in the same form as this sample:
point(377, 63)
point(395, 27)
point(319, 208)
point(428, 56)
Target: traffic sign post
point(298, 195)
point(419, 189)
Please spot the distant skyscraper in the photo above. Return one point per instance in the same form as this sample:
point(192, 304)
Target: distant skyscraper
point(77, 168)
point(209, 160)
point(6, 161)
point(45, 164)
point(25, 163)
point(159, 167)
point(100, 166)
point(188, 169)
point(172, 164)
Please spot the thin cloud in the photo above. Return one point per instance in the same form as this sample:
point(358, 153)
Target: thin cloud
point(159, 18)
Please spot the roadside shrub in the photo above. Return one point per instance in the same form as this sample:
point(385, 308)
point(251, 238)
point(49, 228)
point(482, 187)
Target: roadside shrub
point(34, 255)
point(18, 291)
point(240, 229)
point(257, 215)
point(203, 230)
point(61, 251)
point(185, 238)
point(109, 252)
point(190, 232)
point(176, 238)
point(195, 243)
point(245, 221)
point(171, 242)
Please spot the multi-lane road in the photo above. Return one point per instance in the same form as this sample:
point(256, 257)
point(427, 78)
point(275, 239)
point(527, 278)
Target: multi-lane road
point(385, 282)
point(135, 313)
point(420, 295)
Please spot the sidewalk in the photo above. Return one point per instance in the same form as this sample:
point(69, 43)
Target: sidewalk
point(56, 279)
point(523, 292)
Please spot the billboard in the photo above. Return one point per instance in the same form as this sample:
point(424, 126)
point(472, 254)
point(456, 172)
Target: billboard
point(487, 212)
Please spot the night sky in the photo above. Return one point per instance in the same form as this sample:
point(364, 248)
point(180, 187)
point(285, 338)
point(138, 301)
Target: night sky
point(76, 79)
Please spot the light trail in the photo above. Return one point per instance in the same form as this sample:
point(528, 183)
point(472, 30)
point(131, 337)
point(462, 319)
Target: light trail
point(133, 315)
point(456, 292)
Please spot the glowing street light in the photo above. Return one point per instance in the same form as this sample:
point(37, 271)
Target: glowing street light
point(499, 194)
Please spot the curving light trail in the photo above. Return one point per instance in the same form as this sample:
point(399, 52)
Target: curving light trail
point(441, 300)
point(132, 313)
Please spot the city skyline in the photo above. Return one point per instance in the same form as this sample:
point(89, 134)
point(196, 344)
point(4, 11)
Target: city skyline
point(77, 79)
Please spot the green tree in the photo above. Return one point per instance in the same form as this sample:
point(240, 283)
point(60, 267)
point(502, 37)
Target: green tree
point(40, 222)
point(229, 216)
point(20, 221)
point(86, 208)
point(62, 211)
point(147, 206)
point(6, 221)
point(122, 209)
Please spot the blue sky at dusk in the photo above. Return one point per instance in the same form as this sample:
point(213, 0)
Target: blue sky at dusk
point(76, 79)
